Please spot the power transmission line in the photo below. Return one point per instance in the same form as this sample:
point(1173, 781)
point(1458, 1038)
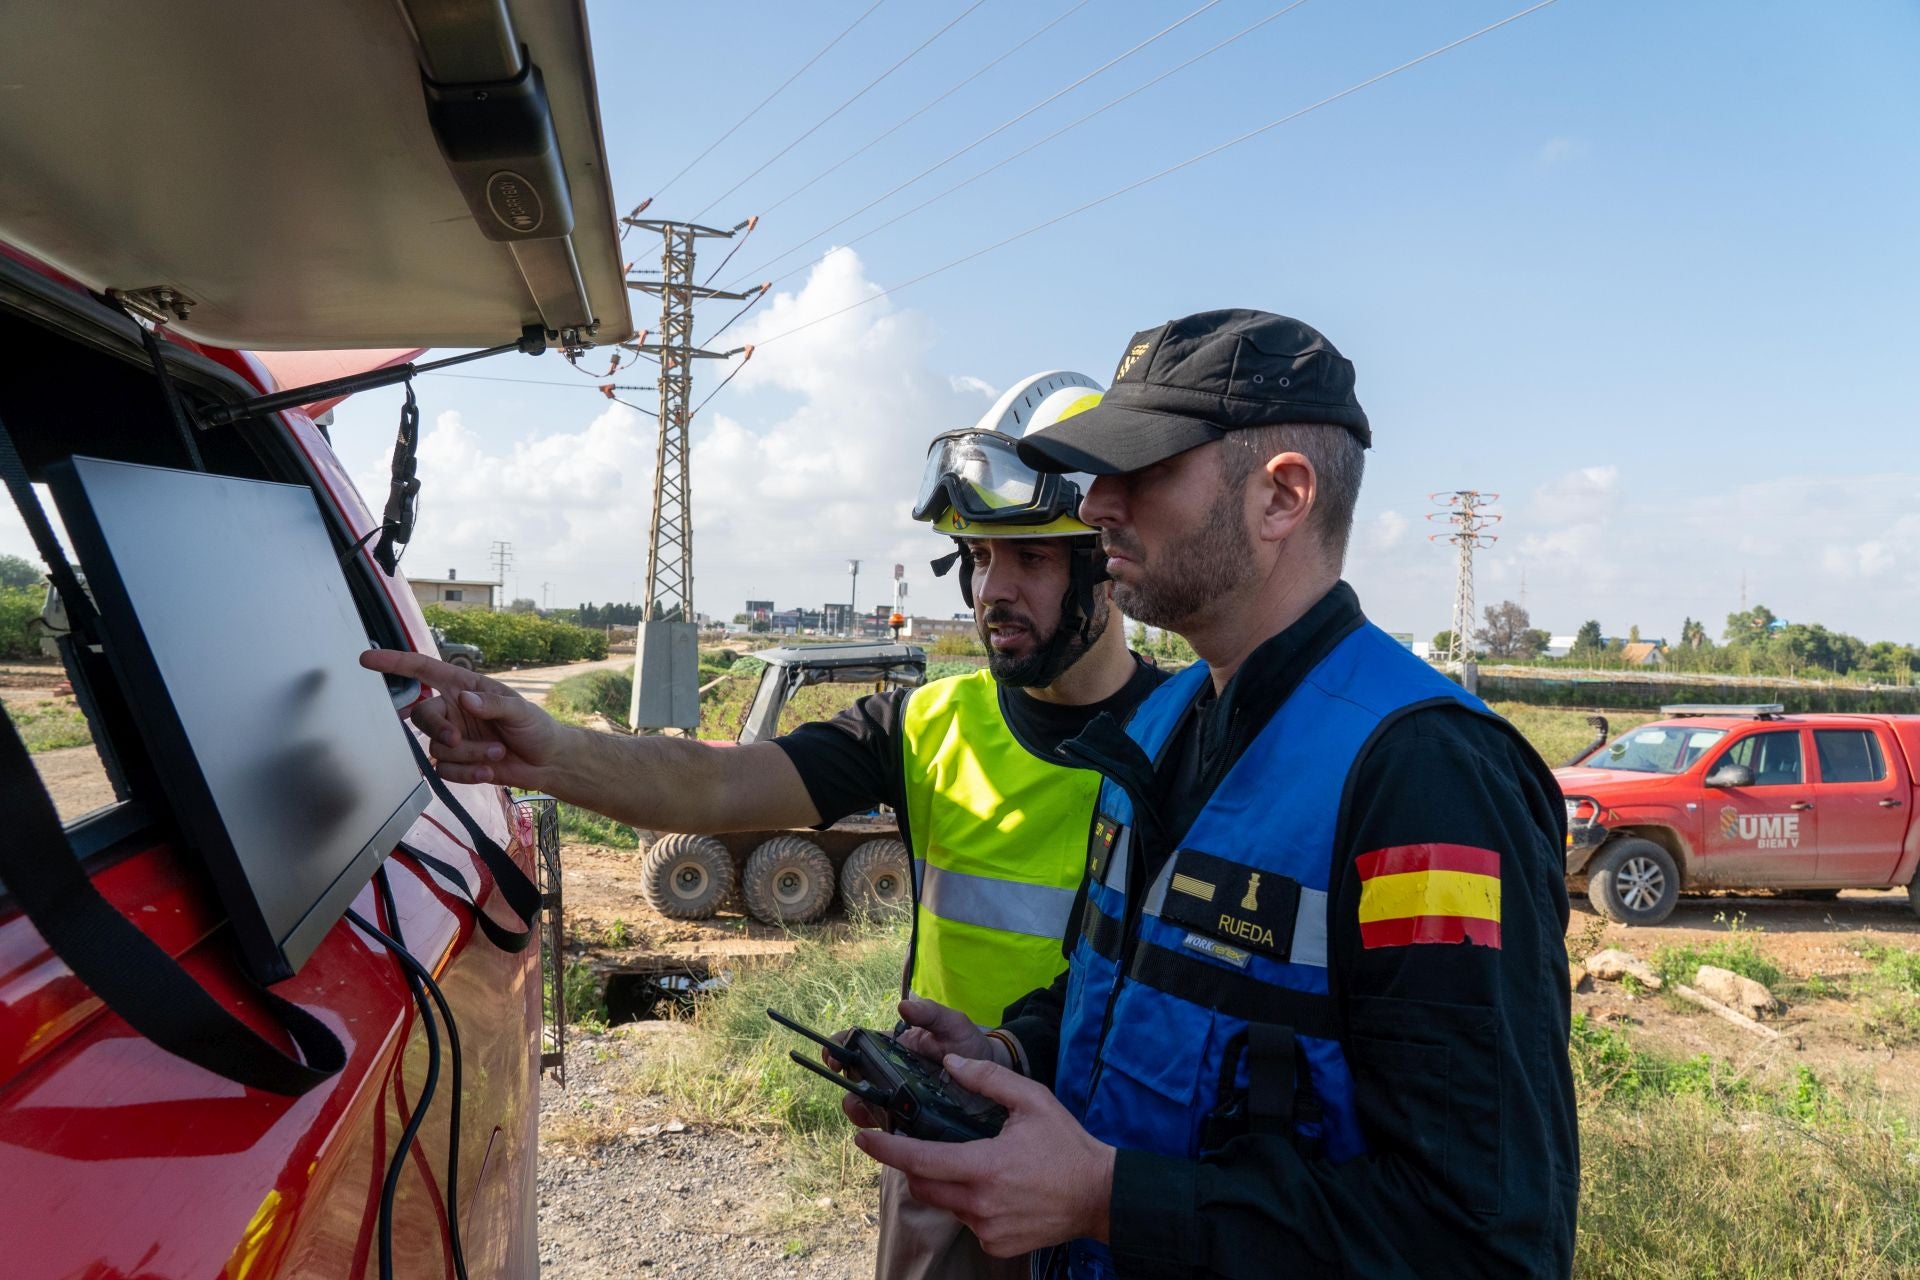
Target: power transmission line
point(918, 49)
point(1155, 177)
point(879, 138)
point(994, 132)
point(1034, 146)
point(764, 101)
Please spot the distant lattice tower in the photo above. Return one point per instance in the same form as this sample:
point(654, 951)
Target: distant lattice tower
point(1465, 513)
point(666, 683)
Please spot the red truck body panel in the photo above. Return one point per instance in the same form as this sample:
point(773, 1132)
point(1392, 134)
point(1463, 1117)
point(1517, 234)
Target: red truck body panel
point(117, 1159)
point(1824, 823)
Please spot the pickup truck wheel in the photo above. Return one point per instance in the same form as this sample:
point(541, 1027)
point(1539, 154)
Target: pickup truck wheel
point(462, 661)
point(788, 881)
point(1913, 893)
point(874, 883)
point(686, 877)
point(1633, 881)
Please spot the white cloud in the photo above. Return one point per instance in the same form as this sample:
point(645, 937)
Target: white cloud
point(1638, 547)
point(1389, 527)
point(813, 462)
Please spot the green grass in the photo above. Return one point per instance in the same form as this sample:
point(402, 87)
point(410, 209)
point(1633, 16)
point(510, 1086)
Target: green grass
point(583, 826)
point(732, 1067)
point(1692, 1169)
point(573, 698)
point(1739, 951)
point(586, 999)
point(1556, 733)
point(49, 725)
point(1887, 994)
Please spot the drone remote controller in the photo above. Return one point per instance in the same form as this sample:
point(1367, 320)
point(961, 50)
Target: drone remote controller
point(923, 1100)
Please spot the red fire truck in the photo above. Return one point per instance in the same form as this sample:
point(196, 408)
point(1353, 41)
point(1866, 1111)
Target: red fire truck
point(186, 183)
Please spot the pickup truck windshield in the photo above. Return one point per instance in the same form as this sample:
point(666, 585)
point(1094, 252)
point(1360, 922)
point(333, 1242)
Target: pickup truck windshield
point(1667, 748)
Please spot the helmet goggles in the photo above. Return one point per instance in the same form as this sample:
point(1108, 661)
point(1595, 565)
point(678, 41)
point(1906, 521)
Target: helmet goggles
point(977, 476)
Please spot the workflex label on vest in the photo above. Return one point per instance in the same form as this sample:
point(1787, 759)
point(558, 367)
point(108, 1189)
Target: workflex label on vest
point(1233, 903)
point(1218, 950)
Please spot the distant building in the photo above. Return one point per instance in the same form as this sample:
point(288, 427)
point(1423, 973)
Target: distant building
point(453, 591)
point(1560, 646)
point(759, 610)
point(1642, 653)
point(836, 618)
point(934, 628)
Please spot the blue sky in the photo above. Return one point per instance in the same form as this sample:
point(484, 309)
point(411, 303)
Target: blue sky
point(1648, 270)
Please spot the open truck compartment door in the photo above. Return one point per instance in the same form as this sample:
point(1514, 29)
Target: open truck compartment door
point(360, 173)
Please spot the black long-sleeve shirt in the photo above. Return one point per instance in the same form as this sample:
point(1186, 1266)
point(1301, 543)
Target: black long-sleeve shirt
point(1459, 1052)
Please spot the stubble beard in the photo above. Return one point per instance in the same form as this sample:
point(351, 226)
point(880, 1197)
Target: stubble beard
point(1051, 657)
point(1190, 575)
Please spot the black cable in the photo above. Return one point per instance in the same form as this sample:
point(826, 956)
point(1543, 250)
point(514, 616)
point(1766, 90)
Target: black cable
point(764, 101)
point(418, 975)
point(716, 391)
point(1137, 183)
point(170, 392)
point(998, 129)
point(751, 302)
point(878, 139)
point(412, 1130)
point(871, 85)
point(751, 224)
point(420, 982)
point(1031, 147)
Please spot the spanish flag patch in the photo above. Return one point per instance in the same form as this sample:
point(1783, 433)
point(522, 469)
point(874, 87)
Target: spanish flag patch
point(1416, 893)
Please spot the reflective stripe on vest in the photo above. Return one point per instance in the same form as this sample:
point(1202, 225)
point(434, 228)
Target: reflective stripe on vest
point(1035, 909)
point(1248, 941)
point(999, 842)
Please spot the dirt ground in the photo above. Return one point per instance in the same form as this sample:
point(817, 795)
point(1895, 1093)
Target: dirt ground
point(698, 1201)
point(1807, 940)
point(664, 1198)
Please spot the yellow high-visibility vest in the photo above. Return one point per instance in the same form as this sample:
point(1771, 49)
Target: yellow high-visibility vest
point(999, 840)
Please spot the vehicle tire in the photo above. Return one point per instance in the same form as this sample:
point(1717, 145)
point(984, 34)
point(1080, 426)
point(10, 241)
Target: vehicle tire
point(686, 877)
point(875, 881)
point(1913, 893)
point(462, 661)
point(1633, 881)
point(788, 881)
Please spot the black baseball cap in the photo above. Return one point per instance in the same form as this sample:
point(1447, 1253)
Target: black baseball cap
point(1191, 381)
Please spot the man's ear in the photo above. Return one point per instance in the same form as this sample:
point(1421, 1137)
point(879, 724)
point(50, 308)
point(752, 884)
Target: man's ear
point(1283, 494)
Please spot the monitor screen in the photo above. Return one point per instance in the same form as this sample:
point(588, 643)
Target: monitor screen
point(230, 625)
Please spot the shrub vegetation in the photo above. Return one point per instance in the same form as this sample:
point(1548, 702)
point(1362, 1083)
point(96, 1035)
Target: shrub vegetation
point(525, 638)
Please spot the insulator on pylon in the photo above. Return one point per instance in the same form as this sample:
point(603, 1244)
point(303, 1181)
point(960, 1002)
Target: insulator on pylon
point(607, 389)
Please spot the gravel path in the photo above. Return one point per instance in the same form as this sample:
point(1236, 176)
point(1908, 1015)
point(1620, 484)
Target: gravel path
point(627, 1189)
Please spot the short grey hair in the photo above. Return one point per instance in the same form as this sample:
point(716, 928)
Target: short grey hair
point(1339, 461)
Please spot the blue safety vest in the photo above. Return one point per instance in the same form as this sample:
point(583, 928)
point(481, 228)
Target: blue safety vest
point(1229, 963)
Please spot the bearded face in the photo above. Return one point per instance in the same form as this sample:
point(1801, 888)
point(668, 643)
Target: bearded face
point(1192, 571)
point(1021, 604)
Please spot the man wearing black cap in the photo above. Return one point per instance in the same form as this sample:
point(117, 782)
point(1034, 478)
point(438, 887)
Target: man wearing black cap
point(1316, 1015)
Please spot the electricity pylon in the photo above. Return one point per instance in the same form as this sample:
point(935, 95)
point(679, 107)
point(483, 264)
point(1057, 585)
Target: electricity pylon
point(1465, 512)
point(666, 685)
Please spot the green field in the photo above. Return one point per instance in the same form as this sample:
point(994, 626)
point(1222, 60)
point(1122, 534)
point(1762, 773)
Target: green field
point(49, 725)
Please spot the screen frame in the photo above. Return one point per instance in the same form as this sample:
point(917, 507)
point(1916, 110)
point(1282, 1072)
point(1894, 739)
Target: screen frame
point(188, 796)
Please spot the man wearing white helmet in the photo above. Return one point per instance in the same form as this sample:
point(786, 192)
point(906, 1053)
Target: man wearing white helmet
point(997, 825)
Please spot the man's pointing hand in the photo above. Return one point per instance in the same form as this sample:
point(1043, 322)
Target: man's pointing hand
point(478, 729)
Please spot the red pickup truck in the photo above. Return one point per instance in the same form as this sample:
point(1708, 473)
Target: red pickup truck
point(1743, 797)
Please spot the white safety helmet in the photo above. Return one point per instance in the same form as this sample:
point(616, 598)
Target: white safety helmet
point(975, 484)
